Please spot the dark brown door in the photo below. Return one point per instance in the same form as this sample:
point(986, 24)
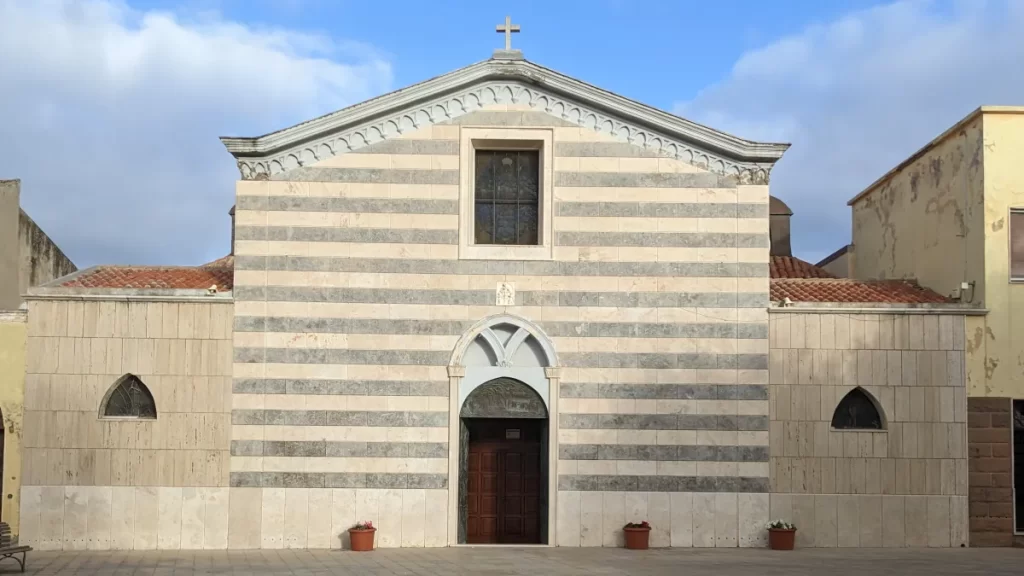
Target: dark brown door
point(482, 494)
point(518, 514)
point(503, 487)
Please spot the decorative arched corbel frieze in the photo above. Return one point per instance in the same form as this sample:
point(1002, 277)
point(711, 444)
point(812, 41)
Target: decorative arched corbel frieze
point(490, 83)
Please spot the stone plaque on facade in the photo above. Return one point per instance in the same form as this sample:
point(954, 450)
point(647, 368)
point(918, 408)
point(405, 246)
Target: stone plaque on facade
point(506, 295)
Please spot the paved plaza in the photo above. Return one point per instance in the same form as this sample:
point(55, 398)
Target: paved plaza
point(533, 562)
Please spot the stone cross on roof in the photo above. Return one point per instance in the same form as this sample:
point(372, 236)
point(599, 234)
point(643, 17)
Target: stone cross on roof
point(508, 28)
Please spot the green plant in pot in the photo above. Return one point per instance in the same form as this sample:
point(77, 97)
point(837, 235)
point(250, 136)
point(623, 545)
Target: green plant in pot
point(638, 535)
point(781, 535)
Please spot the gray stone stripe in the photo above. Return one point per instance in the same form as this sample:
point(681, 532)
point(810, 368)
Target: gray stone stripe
point(504, 267)
point(642, 180)
point(664, 391)
point(648, 453)
point(662, 422)
point(288, 324)
point(592, 483)
point(663, 361)
point(323, 449)
point(336, 234)
point(338, 418)
point(434, 147)
point(662, 239)
point(339, 387)
point(660, 210)
point(341, 356)
point(369, 175)
point(603, 150)
point(337, 480)
point(347, 205)
point(486, 297)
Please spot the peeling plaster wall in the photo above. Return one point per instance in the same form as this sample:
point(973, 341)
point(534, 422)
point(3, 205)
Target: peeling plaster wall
point(924, 219)
point(12, 394)
point(996, 342)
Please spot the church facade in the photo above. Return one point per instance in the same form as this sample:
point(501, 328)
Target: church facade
point(499, 306)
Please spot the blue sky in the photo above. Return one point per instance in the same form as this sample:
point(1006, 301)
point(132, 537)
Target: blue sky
point(658, 52)
point(112, 108)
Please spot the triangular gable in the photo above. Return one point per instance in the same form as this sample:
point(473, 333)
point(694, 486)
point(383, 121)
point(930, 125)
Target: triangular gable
point(499, 81)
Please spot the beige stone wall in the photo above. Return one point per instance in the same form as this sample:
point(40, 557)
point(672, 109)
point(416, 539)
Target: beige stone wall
point(75, 463)
point(903, 486)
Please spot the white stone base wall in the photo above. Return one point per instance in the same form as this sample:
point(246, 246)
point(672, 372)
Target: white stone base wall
point(874, 521)
point(678, 519)
point(162, 518)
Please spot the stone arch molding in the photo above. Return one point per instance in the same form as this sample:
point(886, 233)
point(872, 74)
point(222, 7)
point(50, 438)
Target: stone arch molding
point(504, 346)
point(747, 162)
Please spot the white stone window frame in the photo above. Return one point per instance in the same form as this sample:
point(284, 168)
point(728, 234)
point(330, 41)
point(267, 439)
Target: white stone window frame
point(472, 139)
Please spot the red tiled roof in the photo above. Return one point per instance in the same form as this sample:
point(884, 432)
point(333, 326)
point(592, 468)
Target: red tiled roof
point(222, 262)
point(802, 281)
point(847, 290)
point(156, 277)
point(792, 267)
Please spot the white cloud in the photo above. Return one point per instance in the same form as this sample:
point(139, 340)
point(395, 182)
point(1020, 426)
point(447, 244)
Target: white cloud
point(858, 95)
point(111, 118)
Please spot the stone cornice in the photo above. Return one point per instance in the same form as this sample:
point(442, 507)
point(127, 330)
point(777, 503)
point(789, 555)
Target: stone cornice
point(466, 90)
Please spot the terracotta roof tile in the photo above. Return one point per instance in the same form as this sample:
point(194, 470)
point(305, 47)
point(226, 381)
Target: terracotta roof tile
point(792, 267)
point(155, 277)
point(847, 290)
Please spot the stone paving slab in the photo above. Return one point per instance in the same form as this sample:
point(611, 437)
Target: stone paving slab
point(506, 561)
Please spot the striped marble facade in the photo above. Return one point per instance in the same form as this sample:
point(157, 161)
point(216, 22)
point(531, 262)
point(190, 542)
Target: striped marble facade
point(350, 296)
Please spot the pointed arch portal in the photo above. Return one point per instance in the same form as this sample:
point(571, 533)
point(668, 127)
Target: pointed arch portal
point(504, 381)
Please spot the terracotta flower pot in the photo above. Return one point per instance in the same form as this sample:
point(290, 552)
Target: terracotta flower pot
point(779, 539)
point(362, 540)
point(637, 538)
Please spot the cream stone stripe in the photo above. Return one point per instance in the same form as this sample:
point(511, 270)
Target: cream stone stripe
point(348, 190)
point(632, 195)
point(667, 195)
point(655, 224)
point(346, 205)
point(339, 402)
point(354, 372)
point(571, 298)
point(339, 433)
point(548, 314)
point(442, 343)
point(650, 360)
point(662, 239)
point(328, 374)
point(309, 234)
point(330, 464)
point(331, 220)
point(665, 437)
point(340, 387)
point(508, 268)
point(663, 406)
point(663, 468)
point(396, 251)
point(665, 376)
point(595, 284)
point(666, 210)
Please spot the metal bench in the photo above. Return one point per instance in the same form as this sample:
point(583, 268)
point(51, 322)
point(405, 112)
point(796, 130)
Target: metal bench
point(9, 551)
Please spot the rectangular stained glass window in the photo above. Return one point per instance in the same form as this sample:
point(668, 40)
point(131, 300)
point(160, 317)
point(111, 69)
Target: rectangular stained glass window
point(506, 197)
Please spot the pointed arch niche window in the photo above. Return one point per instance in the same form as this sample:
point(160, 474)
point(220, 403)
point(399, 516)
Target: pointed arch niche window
point(858, 410)
point(128, 398)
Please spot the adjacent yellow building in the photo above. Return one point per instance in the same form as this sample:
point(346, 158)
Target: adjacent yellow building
point(12, 395)
point(952, 217)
